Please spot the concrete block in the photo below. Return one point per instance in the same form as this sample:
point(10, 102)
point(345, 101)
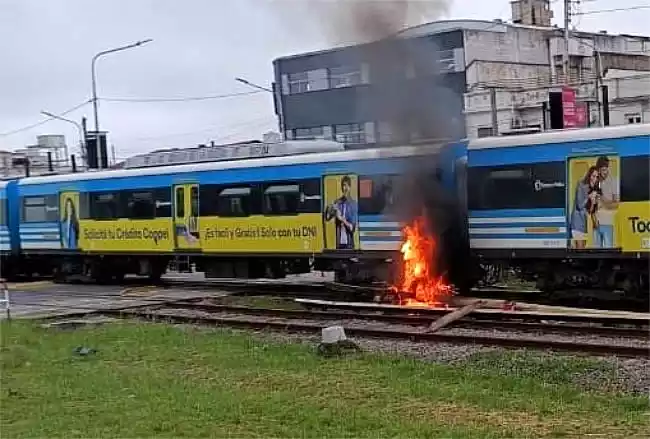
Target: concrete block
point(333, 334)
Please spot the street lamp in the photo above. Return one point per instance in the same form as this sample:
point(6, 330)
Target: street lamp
point(259, 87)
point(94, 82)
point(79, 128)
point(250, 84)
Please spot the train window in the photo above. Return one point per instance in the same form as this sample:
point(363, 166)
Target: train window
point(635, 178)
point(3, 212)
point(517, 186)
point(376, 194)
point(104, 206)
point(40, 209)
point(140, 205)
point(310, 196)
point(234, 201)
point(282, 199)
point(194, 201)
point(163, 202)
point(180, 202)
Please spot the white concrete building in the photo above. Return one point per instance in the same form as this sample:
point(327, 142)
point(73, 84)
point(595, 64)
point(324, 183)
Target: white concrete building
point(519, 64)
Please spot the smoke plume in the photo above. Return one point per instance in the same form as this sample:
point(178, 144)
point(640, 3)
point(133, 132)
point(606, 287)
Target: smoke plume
point(364, 21)
point(407, 95)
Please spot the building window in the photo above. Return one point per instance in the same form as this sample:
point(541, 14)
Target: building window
point(484, 132)
point(446, 60)
point(344, 76)
point(350, 133)
point(631, 118)
point(311, 80)
point(307, 133)
point(385, 132)
point(298, 83)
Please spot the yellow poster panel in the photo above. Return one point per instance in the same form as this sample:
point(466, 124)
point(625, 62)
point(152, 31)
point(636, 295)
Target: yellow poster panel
point(593, 202)
point(634, 220)
point(263, 234)
point(127, 235)
point(69, 220)
point(341, 212)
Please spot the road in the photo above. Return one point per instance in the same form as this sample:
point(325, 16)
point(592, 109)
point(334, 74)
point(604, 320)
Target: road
point(45, 298)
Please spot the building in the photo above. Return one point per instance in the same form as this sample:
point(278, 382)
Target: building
point(48, 156)
point(462, 78)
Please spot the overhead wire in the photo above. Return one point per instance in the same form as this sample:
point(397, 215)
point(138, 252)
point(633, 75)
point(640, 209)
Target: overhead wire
point(183, 99)
point(605, 11)
point(43, 122)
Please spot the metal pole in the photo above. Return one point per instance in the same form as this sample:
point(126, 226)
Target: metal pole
point(565, 57)
point(493, 111)
point(94, 80)
point(76, 124)
point(95, 92)
point(599, 81)
point(250, 84)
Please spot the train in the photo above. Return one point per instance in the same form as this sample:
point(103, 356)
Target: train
point(565, 209)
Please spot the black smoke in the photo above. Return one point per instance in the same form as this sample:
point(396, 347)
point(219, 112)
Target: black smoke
point(411, 98)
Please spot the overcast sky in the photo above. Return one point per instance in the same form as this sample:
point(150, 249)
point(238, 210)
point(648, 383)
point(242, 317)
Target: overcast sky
point(199, 47)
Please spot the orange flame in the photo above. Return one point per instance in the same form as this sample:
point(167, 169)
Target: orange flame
point(418, 278)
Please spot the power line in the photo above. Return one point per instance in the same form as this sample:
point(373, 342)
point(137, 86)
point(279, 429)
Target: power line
point(182, 99)
point(604, 11)
point(34, 125)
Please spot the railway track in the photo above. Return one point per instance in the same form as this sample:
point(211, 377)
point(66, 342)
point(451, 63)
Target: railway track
point(326, 289)
point(621, 341)
point(413, 318)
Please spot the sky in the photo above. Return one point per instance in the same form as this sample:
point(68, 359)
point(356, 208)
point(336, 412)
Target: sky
point(198, 48)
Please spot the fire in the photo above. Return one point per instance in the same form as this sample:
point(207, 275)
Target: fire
point(419, 279)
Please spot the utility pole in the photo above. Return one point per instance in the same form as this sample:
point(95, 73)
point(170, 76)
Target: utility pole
point(493, 111)
point(565, 57)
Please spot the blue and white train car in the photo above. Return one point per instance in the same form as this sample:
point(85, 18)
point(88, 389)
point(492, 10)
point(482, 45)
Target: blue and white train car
point(5, 239)
point(574, 194)
point(248, 217)
point(10, 257)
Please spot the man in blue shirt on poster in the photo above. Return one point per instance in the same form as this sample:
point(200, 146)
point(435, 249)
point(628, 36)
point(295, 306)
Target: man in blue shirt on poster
point(344, 213)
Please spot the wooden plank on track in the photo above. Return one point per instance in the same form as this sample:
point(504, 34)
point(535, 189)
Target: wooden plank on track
point(454, 315)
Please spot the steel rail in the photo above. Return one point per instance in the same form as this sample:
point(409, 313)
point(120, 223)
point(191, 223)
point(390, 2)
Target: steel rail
point(420, 320)
point(587, 317)
point(287, 325)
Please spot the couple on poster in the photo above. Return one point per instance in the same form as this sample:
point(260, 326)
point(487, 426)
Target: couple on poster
point(595, 202)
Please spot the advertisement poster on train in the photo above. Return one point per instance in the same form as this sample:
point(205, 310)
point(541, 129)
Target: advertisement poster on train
point(69, 220)
point(594, 195)
point(341, 212)
point(300, 233)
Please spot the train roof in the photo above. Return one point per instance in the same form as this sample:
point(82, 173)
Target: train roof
point(573, 135)
point(311, 158)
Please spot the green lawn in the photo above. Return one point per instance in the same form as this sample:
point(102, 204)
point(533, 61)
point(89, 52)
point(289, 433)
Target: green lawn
point(157, 380)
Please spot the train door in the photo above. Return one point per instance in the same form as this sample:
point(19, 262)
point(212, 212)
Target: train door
point(69, 220)
point(340, 212)
point(186, 216)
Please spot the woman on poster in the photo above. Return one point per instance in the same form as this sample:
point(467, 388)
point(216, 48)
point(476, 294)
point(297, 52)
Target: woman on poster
point(70, 226)
point(584, 207)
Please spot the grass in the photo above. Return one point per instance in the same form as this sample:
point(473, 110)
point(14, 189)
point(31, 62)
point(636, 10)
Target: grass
point(157, 380)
